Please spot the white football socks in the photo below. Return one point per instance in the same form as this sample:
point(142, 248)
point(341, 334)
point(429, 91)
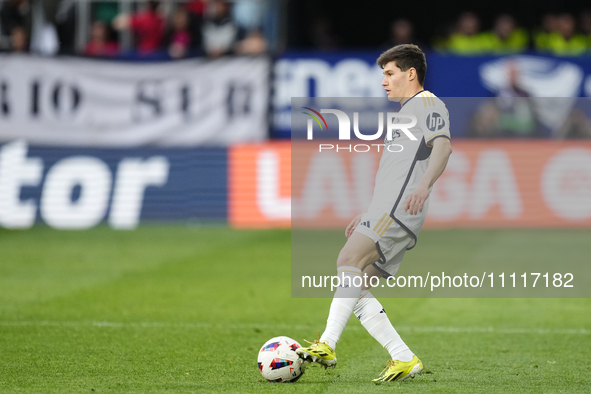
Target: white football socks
point(345, 298)
point(373, 317)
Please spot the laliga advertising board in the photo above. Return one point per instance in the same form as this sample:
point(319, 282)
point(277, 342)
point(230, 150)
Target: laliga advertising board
point(487, 184)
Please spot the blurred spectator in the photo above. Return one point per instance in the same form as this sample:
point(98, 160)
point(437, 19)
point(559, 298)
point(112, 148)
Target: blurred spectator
point(253, 44)
point(566, 41)
point(249, 14)
point(323, 36)
point(14, 13)
point(542, 37)
point(442, 33)
point(44, 39)
point(220, 32)
point(19, 40)
point(197, 7)
point(196, 10)
point(585, 22)
point(147, 26)
point(65, 23)
point(467, 39)
point(401, 32)
point(100, 44)
point(105, 11)
point(252, 16)
point(576, 126)
point(509, 114)
point(506, 38)
point(562, 40)
point(180, 38)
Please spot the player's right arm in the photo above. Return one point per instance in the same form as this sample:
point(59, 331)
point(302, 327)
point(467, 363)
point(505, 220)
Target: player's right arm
point(437, 163)
point(435, 126)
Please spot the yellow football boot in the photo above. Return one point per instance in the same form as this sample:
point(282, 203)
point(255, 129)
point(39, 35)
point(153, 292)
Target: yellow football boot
point(318, 352)
point(399, 370)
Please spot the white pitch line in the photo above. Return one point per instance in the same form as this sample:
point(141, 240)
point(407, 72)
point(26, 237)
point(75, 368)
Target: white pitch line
point(242, 326)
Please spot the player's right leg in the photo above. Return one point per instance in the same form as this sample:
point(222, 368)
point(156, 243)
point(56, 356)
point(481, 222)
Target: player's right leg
point(358, 253)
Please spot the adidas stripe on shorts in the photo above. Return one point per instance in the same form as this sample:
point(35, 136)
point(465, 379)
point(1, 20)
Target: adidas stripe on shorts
point(391, 240)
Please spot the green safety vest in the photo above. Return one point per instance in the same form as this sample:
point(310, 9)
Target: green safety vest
point(461, 44)
point(517, 42)
point(557, 45)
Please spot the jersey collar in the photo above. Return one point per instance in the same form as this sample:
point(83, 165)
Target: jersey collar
point(420, 91)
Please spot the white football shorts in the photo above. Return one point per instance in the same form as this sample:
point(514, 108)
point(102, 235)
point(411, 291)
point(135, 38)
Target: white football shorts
point(391, 240)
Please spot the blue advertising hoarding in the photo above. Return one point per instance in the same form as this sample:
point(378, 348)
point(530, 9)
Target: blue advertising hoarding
point(355, 74)
point(77, 188)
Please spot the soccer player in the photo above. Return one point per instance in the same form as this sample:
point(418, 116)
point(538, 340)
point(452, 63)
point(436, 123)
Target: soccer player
point(379, 237)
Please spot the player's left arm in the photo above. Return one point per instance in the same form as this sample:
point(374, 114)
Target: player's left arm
point(437, 162)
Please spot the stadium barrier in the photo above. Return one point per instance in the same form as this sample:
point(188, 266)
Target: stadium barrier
point(488, 183)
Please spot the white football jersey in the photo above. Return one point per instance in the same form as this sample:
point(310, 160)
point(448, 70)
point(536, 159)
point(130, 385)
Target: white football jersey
point(404, 161)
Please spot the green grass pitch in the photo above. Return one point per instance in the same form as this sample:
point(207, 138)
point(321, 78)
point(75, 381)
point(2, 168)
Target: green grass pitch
point(185, 309)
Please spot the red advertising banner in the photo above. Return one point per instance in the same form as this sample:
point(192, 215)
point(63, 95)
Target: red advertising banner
point(259, 185)
point(487, 183)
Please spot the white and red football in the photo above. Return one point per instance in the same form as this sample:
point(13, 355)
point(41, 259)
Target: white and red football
point(278, 361)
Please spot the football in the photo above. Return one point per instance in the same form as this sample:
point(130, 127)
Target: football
point(278, 361)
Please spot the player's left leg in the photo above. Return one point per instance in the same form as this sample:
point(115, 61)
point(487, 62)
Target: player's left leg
point(373, 317)
point(358, 252)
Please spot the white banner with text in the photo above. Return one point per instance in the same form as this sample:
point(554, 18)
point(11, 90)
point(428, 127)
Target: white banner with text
point(84, 102)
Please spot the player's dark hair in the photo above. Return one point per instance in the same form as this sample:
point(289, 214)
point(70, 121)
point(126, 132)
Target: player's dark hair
point(406, 56)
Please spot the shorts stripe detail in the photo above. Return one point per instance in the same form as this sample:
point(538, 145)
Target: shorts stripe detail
point(379, 230)
point(376, 226)
point(389, 223)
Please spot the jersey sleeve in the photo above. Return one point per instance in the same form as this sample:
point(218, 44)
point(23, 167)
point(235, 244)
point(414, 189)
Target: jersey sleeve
point(434, 120)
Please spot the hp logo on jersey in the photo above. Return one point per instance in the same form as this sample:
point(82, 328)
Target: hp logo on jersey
point(435, 122)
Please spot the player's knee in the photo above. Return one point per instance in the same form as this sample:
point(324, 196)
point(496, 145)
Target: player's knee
point(349, 259)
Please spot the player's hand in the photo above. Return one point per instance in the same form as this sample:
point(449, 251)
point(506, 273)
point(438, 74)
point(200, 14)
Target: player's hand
point(351, 227)
point(415, 202)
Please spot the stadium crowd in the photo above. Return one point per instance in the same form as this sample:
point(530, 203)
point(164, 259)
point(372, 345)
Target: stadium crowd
point(181, 28)
point(558, 34)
